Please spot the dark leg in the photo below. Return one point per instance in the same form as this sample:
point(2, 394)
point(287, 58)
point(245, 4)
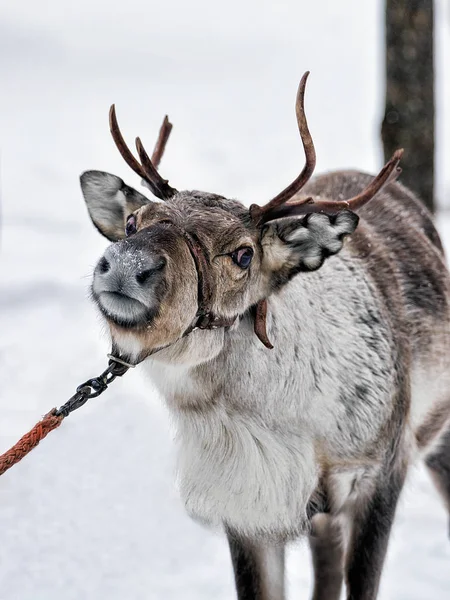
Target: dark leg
point(370, 535)
point(258, 569)
point(439, 465)
point(327, 551)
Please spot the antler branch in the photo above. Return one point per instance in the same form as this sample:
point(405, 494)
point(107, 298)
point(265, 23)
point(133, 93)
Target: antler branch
point(161, 142)
point(262, 214)
point(388, 173)
point(147, 169)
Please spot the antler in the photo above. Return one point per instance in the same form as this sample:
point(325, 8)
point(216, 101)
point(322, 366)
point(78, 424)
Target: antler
point(147, 167)
point(262, 214)
point(161, 142)
point(279, 207)
point(388, 173)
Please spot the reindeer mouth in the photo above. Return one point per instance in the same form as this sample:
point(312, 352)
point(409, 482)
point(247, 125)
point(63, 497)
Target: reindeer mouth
point(123, 310)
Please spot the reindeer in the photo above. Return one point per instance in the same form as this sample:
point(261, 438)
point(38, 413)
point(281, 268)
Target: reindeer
point(302, 347)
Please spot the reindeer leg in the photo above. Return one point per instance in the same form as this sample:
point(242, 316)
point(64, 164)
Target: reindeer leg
point(371, 528)
point(438, 464)
point(327, 549)
point(258, 569)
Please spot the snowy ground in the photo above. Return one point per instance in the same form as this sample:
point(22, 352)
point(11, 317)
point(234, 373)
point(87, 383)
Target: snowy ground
point(93, 512)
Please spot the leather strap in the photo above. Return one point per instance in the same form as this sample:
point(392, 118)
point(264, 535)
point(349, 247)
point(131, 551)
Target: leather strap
point(204, 318)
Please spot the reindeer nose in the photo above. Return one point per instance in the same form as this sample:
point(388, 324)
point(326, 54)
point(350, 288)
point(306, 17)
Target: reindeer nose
point(127, 271)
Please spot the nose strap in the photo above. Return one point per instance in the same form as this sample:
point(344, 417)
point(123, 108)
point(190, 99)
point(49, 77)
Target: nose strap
point(204, 318)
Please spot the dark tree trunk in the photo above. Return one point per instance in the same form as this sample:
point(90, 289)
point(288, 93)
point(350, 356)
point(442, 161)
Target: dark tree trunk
point(409, 118)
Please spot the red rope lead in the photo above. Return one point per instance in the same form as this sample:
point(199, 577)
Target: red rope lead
point(30, 440)
point(89, 389)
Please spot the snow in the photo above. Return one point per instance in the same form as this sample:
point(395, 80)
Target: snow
point(93, 512)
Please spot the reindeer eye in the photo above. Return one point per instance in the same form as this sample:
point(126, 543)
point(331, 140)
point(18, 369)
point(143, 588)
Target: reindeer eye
point(242, 257)
point(130, 226)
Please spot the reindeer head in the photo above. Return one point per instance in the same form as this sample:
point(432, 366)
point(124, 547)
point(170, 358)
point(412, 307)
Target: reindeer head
point(198, 260)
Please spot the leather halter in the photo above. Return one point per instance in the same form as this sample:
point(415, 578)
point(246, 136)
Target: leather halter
point(204, 317)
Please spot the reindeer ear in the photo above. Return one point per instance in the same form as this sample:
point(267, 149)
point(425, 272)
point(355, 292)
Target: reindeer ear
point(294, 245)
point(109, 201)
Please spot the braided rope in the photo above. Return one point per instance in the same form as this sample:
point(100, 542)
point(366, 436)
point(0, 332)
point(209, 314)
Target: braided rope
point(30, 440)
point(53, 419)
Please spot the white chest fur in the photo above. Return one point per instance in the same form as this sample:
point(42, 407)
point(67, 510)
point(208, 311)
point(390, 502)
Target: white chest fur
point(233, 469)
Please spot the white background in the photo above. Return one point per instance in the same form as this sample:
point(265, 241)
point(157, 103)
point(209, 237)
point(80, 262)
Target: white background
point(93, 512)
